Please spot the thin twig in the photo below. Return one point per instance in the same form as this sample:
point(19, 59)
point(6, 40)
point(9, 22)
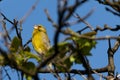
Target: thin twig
point(99, 74)
point(74, 71)
point(29, 12)
point(4, 17)
point(106, 27)
point(85, 78)
point(70, 23)
point(50, 19)
point(77, 16)
point(115, 5)
point(71, 9)
point(113, 12)
point(72, 33)
point(7, 74)
point(18, 74)
point(1, 73)
point(6, 32)
point(27, 42)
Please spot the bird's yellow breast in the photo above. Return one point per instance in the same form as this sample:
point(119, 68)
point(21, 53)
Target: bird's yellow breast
point(40, 41)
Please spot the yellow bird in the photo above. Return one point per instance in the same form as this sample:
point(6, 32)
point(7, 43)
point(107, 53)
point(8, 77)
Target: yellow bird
point(40, 40)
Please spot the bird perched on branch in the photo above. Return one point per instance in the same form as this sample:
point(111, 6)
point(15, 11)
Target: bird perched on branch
point(40, 40)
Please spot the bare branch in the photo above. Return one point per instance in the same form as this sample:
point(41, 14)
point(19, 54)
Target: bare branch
point(7, 73)
point(83, 72)
point(88, 25)
point(27, 42)
point(72, 33)
point(4, 17)
point(111, 52)
point(29, 12)
point(113, 12)
point(6, 32)
point(71, 9)
point(70, 23)
point(115, 5)
point(106, 27)
point(50, 19)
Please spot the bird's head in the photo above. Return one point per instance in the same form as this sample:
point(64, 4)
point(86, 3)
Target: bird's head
point(39, 28)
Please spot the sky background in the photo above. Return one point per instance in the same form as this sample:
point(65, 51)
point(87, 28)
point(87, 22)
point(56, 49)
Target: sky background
point(16, 9)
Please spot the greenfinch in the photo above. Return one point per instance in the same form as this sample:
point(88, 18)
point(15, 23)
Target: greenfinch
point(40, 40)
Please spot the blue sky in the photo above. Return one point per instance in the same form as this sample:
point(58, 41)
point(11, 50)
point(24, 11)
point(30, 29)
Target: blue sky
point(16, 9)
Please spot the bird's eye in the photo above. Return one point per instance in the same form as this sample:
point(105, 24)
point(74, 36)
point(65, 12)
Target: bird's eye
point(39, 26)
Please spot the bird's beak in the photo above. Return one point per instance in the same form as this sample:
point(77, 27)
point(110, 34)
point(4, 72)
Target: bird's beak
point(35, 27)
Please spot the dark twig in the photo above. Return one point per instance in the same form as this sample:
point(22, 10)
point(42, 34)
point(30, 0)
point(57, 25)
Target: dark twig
point(72, 9)
point(4, 17)
point(3, 53)
point(106, 27)
point(86, 65)
point(82, 30)
point(1, 73)
point(6, 32)
point(113, 12)
point(36, 77)
point(27, 42)
point(18, 74)
point(83, 72)
point(17, 31)
point(7, 73)
point(115, 5)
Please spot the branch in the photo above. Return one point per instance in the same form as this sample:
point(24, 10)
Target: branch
point(70, 23)
point(113, 12)
point(27, 42)
point(88, 25)
point(72, 9)
point(6, 32)
point(113, 4)
point(60, 25)
point(111, 52)
point(29, 12)
point(4, 17)
point(72, 33)
point(50, 19)
point(106, 27)
point(7, 73)
point(83, 72)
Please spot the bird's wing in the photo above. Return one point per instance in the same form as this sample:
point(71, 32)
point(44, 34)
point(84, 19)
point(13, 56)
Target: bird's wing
point(46, 41)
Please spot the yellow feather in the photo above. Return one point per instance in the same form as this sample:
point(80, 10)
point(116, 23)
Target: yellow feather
point(40, 40)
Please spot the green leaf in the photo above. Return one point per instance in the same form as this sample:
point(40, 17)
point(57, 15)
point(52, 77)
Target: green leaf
point(72, 59)
point(28, 55)
point(63, 64)
point(82, 45)
point(62, 61)
point(3, 60)
point(28, 77)
point(30, 66)
point(63, 48)
point(16, 58)
point(15, 44)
